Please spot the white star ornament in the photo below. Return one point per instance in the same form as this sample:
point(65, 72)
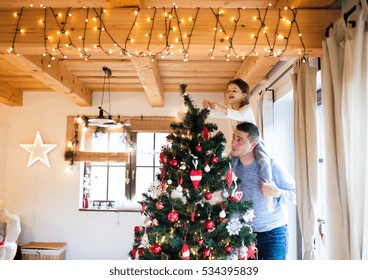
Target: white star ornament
point(38, 151)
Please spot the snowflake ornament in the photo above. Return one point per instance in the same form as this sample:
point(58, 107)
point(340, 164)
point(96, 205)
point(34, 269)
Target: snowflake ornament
point(234, 227)
point(155, 189)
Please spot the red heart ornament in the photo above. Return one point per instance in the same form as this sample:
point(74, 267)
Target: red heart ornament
point(237, 196)
point(195, 176)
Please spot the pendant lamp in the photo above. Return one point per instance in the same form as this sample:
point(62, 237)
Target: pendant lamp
point(101, 120)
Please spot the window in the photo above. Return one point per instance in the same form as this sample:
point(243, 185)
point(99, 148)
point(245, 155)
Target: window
point(113, 175)
point(114, 183)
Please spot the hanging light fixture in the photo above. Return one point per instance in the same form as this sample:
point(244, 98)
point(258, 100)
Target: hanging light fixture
point(101, 120)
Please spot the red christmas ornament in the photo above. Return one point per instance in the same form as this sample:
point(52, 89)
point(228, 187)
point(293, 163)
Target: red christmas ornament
point(134, 252)
point(173, 162)
point(208, 195)
point(198, 148)
point(200, 241)
point(228, 248)
point(252, 250)
point(223, 220)
point(196, 177)
point(214, 159)
point(143, 206)
point(156, 248)
point(85, 201)
point(209, 224)
point(159, 205)
point(185, 249)
point(237, 196)
point(229, 177)
point(205, 133)
point(173, 216)
point(192, 216)
point(162, 157)
point(206, 252)
point(139, 228)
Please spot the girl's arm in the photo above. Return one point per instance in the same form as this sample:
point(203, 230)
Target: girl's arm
point(244, 114)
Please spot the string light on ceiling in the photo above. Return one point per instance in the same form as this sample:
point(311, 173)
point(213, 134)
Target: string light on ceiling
point(176, 34)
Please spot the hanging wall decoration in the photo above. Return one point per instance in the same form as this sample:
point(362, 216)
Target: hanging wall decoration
point(38, 150)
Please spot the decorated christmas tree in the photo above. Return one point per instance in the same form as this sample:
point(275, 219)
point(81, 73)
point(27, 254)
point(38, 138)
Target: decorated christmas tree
point(195, 209)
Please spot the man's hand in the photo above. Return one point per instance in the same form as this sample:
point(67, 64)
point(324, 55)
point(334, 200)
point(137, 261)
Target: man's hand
point(270, 189)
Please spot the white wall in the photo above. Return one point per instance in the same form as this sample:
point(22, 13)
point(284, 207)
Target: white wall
point(46, 198)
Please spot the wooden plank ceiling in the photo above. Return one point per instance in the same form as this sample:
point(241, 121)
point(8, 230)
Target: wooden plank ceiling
point(151, 46)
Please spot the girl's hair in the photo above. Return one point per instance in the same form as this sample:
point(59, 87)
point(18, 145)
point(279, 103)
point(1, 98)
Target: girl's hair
point(244, 87)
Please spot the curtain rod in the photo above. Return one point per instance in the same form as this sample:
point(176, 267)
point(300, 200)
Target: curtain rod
point(349, 13)
point(275, 81)
point(279, 77)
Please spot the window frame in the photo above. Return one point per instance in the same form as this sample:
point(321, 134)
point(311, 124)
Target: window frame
point(73, 153)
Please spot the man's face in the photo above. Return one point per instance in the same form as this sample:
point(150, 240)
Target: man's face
point(240, 145)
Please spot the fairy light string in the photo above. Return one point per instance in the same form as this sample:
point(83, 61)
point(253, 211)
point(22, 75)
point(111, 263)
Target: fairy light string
point(128, 39)
point(150, 34)
point(12, 48)
point(230, 39)
point(168, 19)
point(277, 36)
point(44, 21)
point(100, 29)
point(264, 28)
point(212, 50)
point(186, 49)
point(299, 33)
point(83, 38)
point(62, 31)
point(184, 40)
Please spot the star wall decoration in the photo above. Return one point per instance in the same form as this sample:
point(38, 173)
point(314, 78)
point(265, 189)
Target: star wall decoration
point(38, 150)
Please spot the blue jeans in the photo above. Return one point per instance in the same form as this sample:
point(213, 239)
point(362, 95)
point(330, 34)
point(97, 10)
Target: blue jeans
point(273, 244)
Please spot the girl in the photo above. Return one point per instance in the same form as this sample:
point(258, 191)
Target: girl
point(237, 111)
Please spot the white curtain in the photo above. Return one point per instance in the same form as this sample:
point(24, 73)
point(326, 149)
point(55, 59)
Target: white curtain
point(267, 120)
point(345, 103)
point(306, 154)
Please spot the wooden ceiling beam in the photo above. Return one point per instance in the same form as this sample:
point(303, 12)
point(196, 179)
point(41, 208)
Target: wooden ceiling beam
point(10, 96)
point(255, 68)
point(149, 76)
point(56, 77)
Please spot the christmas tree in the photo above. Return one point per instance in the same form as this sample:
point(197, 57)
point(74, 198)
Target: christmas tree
point(195, 209)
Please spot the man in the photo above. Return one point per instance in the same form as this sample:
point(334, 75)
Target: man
point(270, 227)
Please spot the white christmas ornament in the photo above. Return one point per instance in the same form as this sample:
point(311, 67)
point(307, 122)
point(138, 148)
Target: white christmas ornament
point(144, 242)
point(234, 226)
point(216, 198)
point(249, 216)
point(207, 168)
point(38, 151)
point(222, 214)
point(155, 189)
point(178, 193)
